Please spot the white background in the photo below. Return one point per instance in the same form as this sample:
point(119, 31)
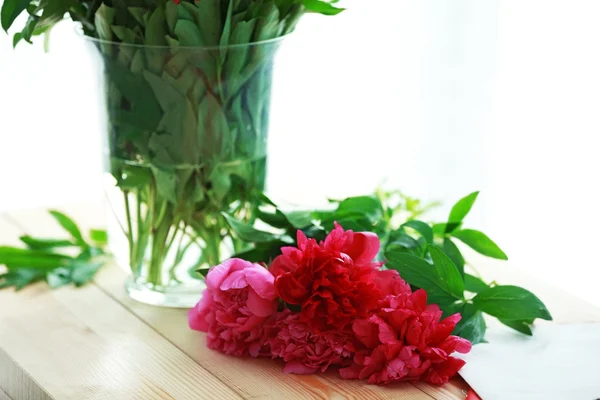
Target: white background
point(439, 98)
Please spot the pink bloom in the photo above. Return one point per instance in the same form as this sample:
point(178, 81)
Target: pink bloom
point(239, 298)
point(306, 351)
point(406, 341)
point(333, 280)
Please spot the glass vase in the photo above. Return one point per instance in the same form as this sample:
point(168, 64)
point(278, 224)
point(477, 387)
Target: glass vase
point(185, 149)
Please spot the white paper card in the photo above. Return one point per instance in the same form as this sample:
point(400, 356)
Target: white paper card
point(559, 362)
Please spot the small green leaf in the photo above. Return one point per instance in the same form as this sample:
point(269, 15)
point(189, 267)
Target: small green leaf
point(511, 303)
point(420, 273)
point(11, 9)
point(462, 207)
point(424, 229)
point(58, 277)
point(70, 226)
point(45, 244)
point(523, 326)
point(99, 236)
point(34, 259)
point(299, 219)
point(321, 7)
point(19, 278)
point(263, 252)
point(363, 205)
point(84, 272)
point(247, 232)
point(479, 242)
point(474, 284)
point(447, 272)
point(455, 255)
point(472, 325)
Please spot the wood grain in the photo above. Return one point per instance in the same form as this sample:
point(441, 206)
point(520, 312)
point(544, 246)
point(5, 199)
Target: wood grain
point(81, 344)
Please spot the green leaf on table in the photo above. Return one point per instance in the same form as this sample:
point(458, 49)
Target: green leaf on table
point(511, 303)
point(474, 284)
point(45, 244)
point(523, 326)
point(455, 255)
point(420, 273)
point(70, 226)
point(247, 232)
point(424, 229)
point(321, 7)
point(99, 236)
point(447, 272)
point(461, 209)
point(472, 325)
point(479, 242)
point(84, 271)
point(34, 259)
point(11, 9)
point(19, 278)
point(58, 277)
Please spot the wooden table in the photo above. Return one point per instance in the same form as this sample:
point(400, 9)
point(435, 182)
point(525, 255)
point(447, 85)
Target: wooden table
point(97, 343)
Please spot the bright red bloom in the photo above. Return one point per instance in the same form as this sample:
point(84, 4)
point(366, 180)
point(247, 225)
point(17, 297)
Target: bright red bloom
point(333, 281)
point(406, 341)
point(306, 351)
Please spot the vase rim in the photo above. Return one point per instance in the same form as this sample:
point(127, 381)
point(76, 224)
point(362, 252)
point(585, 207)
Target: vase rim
point(278, 39)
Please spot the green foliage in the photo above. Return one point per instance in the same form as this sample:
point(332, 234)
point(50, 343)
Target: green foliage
point(52, 259)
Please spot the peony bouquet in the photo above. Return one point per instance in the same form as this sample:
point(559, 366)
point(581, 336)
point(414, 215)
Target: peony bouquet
point(391, 304)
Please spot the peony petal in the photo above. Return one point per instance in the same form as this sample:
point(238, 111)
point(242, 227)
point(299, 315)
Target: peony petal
point(261, 281)
point(364, 248)
point(366, 332)
point(260, 306)
point(387, 334)
point(235, 280)
point(301, 239)
point(296, 367)
point(290, 290)
point(217, 274)
point(197, 316)
point(351, 372)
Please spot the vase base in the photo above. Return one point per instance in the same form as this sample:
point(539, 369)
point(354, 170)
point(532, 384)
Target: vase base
point(180, 296)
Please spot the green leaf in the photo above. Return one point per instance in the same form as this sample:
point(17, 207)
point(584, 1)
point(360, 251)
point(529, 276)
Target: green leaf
point(299, 219)
point(84, 272)
point(45, 244)
point(420, 273)
point(99, 236)
point(455, 255)
point(19, 278)
point(523, 326)
point(511, 303)
point(247, 232)
point(58, 277)
point(362, 205)
point(462, 207)
point(474, 284)
point(471, 326)
point(479, 242)
point(321, 7)
point(263, 252)
point(11, 9)
point(447, 272)
point(424, 229)
point(70, 226)
point(35, 259)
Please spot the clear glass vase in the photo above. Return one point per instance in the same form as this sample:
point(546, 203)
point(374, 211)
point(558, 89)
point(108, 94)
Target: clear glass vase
point(185, 148)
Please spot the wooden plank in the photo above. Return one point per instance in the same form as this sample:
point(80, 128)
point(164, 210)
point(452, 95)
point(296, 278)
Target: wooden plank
point(80, 343)
point(249, 378)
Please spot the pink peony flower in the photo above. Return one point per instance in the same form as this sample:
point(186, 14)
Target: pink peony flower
point(239, 298)
point(406, 341)
point(333, 281)
point(306, 351)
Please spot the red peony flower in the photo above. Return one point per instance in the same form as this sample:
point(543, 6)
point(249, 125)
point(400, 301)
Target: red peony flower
point(239, 298)
point(406, 341)
point(306, 351)
point(333, 281)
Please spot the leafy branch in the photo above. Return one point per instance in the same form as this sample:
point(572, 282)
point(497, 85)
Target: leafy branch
point(57, 261)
